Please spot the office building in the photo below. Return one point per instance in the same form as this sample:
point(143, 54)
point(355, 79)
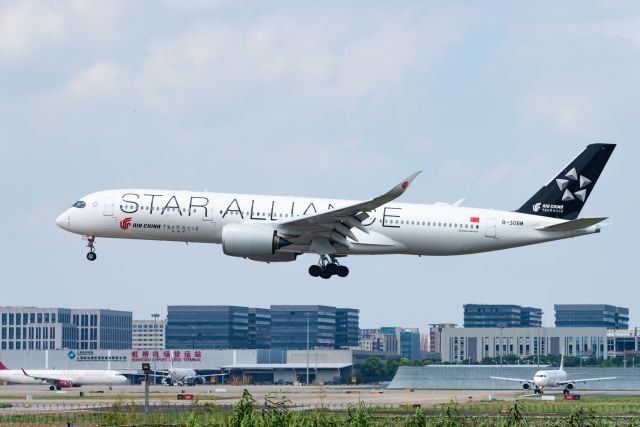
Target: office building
point(289, 325)
point(460, 344)
point(347, 327)
point(375, 340)
point(259, 328)
point(207, 327)
point(494, 315)
point(410, 344)
point(435, 336)
point(591, 315)
point(34, 328)
point(148, 334)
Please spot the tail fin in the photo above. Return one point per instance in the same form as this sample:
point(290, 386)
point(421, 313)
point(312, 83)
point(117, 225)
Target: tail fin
point(2, 367)
point(565, 195)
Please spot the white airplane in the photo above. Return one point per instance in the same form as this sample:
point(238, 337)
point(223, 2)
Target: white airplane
point(61, 378)
point(273, 229)
point(182, 376)
point(552, 378)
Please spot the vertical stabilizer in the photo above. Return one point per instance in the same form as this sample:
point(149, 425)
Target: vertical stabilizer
point(2, 367)
point(565, 196)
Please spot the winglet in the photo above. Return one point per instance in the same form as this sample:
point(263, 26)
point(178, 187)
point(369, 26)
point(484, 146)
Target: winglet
point(25, 372)
point(405, 184)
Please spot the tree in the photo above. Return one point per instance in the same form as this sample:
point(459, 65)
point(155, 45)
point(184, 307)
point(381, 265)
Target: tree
point(373, 369)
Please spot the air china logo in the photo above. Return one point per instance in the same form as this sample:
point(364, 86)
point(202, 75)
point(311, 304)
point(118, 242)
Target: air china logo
point(405, 185)
point(548, 208)
point(125, 223)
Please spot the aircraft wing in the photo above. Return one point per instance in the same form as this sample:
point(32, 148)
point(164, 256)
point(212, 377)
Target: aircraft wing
point(512, 379)
point(323, 230)
point(586, 380)
point(51, 379)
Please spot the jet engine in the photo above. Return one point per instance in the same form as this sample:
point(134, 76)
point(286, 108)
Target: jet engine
point(254, 242)
point(569, 386)
point(526, 386)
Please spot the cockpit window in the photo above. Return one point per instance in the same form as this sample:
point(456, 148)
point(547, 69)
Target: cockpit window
point(79, 204)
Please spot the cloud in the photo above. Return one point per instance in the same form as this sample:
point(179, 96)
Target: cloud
point(27, 24)
point(570, 112)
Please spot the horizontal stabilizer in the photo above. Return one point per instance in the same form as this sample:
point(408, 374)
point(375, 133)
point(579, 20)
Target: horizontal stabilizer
point(576, 224)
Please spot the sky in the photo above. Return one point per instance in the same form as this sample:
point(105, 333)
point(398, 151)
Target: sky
point(325, 99)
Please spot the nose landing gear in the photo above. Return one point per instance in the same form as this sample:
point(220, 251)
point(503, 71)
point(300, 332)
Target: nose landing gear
point(91, 256)
point(326, 269)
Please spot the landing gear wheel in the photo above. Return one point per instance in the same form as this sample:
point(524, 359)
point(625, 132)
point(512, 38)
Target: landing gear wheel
point(343, 271)
point(331, 268)
point(315, 270)
point(565, 392)
point(51, 388)
point(325, 274)
point(91, 256)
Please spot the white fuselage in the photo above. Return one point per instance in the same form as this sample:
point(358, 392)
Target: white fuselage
point(75, 377)
point(395, 228)
point(549, 378)
point(180, 375)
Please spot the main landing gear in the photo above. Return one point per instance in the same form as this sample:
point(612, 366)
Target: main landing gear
point(537, 391)
point(325, 268)
point(91, 256)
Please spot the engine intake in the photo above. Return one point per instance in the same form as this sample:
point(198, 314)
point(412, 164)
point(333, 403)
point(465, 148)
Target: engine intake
point(249, 241)
point(569, 386)
point(526, 386)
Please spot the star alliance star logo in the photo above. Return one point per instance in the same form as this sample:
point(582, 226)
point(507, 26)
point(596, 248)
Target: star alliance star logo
point(571, 180)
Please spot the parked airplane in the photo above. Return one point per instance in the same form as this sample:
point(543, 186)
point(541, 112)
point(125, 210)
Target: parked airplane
point(552, 378)
point(273, 229)
point(182, 376)
point(61, 378)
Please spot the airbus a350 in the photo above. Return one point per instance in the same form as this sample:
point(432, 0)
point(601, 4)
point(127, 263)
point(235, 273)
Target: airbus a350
point(552, 378)
point(277, 229)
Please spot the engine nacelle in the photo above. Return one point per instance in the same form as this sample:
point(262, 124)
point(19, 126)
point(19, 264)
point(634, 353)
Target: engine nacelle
point(250, 241)
point(63, 384)
point(277, 257)
point(569, 386)
point(526, 386)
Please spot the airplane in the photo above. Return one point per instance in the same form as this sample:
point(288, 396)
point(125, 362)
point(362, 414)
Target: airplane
point(279, 229)
point(182, 376)
point(552, 378)
point(61, 378)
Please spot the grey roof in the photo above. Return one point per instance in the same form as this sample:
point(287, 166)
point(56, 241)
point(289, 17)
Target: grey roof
point(269, 366)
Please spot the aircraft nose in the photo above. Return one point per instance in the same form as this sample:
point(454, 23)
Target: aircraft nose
point(63, 220)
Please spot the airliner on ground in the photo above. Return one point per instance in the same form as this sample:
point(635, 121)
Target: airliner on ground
point(552, 378)
point(182, 376)
point(273, 228)
point(61, 378)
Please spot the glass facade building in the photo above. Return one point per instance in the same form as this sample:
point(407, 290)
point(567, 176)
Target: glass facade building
point(259, 328)
point(410, 344)
point(347, 327)
point(207, 327)
point(289, 326)
point(591, 315)
point(493, 315)
point(34, 328)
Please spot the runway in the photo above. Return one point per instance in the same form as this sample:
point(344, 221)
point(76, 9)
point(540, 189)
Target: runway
point(328, 396)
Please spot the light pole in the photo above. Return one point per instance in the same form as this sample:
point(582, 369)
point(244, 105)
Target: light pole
point(307, 315)
point(155, 341)
point(501, 325)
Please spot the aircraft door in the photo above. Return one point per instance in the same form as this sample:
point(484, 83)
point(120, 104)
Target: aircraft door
point(108, 206)
point(490, 231)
